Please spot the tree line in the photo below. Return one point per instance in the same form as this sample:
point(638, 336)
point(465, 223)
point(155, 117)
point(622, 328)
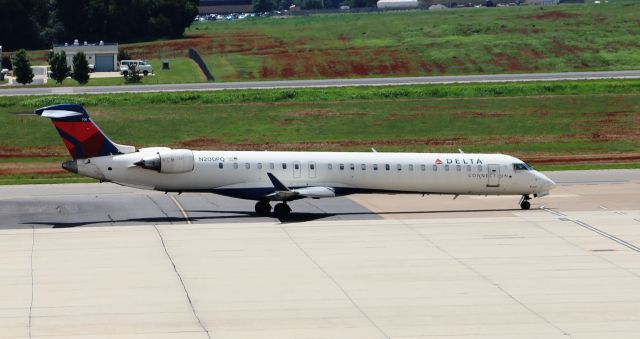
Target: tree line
point(34, 24)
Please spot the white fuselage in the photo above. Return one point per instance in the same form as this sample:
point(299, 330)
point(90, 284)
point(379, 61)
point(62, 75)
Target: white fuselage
point(244, 174)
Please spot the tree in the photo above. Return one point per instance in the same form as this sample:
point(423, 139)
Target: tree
point(123, 55)
point(312, 4)
point(133, 75)
point(6, 62)
point(59, 68)
point(262, 5)
point(80, 68)
point(22, 68)
point(22, 22)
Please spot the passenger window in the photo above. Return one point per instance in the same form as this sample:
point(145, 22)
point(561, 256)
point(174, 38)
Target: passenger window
point(220, 165)
point(375, 167)
point(399, 167)
point(468, 168)
point(247, 165)
point(479, 168)
point(296, 166)
point(259, 165)
point(446, 167)
point(423, 167)
point(435, 168)
point(352, 167)
point(330, 166)
point(235, 165)
point(312, 166)
point(272, 165)
point(363, 167)
point(284, 166)
point(458, 168)
point(341, 167)
point(410, 167)
point(387, 167)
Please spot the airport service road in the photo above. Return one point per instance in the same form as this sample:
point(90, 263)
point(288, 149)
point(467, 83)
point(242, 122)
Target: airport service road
point(322, 83)
point(71, 205)
point(543, 273)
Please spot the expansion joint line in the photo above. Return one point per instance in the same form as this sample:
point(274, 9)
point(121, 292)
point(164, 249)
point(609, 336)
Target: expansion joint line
point(597, 231)
point(335, 282)
point(487, 279)
point(33, 244)
point(184, 287)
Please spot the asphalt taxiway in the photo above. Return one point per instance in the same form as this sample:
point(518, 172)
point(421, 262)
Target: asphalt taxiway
point(424, 268)
point(391, 81)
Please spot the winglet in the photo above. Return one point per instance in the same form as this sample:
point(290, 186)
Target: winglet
point(279, 186)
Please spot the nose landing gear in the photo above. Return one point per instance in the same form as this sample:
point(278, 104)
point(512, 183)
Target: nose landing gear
point(524, 202)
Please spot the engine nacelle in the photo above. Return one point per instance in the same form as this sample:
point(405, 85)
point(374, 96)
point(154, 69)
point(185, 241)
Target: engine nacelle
point(169, 161)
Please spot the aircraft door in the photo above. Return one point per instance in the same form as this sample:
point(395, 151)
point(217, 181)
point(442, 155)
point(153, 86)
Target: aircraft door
point(493, 174)
point(312, 169)
point(296, 169)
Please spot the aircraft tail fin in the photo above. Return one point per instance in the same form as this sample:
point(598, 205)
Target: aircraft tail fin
point(82, 137)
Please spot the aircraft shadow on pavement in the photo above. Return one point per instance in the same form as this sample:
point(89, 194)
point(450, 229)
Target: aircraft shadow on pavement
point(230, 215)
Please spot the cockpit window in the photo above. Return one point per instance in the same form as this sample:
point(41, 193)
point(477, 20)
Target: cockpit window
point(522, 167)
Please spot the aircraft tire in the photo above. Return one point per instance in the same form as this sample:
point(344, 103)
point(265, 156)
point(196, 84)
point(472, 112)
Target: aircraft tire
point(263, 207)
point(282, 210)
point(525, 205)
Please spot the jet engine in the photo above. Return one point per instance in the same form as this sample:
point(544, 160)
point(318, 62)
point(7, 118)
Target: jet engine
point(169, 161)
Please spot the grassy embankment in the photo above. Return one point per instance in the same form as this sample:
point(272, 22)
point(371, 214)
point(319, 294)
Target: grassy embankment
point(590, 123)
point(464, 41)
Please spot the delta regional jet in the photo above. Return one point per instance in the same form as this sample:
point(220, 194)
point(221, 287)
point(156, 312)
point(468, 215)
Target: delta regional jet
point(281, 177)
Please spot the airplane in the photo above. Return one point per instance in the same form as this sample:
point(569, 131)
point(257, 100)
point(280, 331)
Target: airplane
point(281, 177)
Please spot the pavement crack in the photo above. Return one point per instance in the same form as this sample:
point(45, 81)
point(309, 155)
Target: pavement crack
point(184, 287)
point(160, 208)
point(487, 279)
point(335, 282)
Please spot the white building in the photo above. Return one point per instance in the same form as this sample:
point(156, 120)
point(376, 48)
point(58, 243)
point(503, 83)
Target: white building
point(103, 55)
point(398, 4)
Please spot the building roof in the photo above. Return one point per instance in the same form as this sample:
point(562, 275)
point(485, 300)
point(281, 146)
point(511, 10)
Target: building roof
point(82, 44)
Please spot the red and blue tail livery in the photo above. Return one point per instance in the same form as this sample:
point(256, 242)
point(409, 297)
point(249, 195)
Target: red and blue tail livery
point(82, 137)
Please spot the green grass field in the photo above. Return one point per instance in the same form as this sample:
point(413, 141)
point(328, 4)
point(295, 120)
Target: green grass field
point(534, 121)
point(462, 41)
point(182, 70)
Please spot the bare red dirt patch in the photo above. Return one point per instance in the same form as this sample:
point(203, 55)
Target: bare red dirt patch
point(550, 15)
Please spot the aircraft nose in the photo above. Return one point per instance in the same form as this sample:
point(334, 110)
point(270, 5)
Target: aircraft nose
point(547, 184)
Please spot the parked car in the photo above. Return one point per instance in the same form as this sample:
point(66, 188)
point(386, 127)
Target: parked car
point(141, 66)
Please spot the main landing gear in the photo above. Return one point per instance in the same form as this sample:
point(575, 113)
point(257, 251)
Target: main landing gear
point(524, 202)
point(281, 210)
point(263, 207)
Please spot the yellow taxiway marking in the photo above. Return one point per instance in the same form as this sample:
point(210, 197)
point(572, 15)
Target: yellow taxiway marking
point(184, 213)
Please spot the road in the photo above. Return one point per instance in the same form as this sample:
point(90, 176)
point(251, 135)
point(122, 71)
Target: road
point(213, 86)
